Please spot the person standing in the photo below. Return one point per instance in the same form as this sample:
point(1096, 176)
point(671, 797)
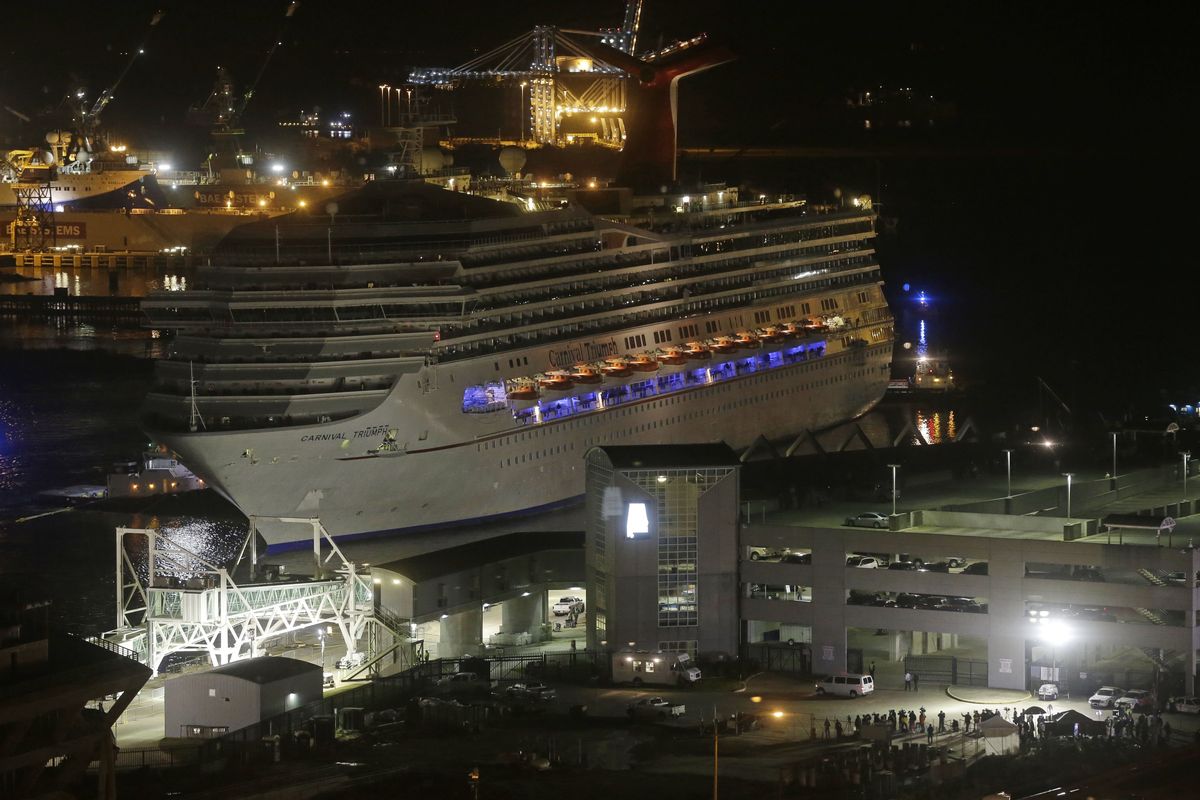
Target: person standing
point(941, 722)
point(826, 727)
point(907, 681)
point(871, 671)
point(915, 680)
point(929, 733)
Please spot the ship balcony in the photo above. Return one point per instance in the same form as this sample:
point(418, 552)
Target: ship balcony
point(181, 372)
point(261, 388)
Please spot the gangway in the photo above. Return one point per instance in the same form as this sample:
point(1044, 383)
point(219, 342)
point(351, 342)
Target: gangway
point(179, 601)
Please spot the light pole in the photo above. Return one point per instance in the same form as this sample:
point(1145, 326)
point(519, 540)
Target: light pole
point(321, 636)
point(894, 467)
point(382, 105)
point(1068, 476)
point(1008, 469)
point(1186, 455)
point(1114, 474)
point(387, 116)
point(521, 110)
point(408, 92)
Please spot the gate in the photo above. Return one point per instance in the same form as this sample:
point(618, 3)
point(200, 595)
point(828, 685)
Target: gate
point(773, 657)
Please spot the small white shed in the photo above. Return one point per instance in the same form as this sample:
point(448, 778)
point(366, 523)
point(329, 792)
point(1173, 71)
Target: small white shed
point(208, 704)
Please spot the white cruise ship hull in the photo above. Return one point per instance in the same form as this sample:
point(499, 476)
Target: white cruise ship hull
point(449, 467)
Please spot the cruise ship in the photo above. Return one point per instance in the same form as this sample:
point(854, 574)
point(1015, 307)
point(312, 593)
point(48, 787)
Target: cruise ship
point(432, 358)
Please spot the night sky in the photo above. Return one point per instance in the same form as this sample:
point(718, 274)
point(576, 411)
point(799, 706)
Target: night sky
point(1081, 75)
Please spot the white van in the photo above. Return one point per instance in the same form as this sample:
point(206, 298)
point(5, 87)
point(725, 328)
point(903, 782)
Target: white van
point(846, 685)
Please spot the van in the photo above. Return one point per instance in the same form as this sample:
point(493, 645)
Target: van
point(846, 685)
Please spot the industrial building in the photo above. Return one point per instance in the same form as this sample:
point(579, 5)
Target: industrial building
point(662, 548)
point(237, 695)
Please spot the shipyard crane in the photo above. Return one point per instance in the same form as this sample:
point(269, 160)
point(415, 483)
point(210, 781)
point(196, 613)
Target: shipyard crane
point(563, 78)
point(85, 117)
point(225, 109)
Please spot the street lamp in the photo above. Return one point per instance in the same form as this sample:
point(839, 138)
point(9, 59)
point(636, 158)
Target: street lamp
point(1068, 476)
point(383, 104)
point(894, 467)
point(321, 636)
point(1008, 469)
point(1114, 473)
point(521, 110)
point(1186, 455)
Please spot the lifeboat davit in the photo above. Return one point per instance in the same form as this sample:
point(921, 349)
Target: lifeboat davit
point(696, 351)
point(643, 363)
point(583, 373)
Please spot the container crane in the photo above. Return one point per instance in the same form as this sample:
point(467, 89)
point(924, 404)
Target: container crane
point(86, 117)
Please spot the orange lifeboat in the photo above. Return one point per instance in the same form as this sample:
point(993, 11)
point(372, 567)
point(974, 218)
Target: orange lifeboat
point(789, 329)
point(769, 335)
point(746, 339)
point(523, 391)
point(696, 351)
point(643, 363)
point(584, 373)
point(723, 344)
point(672, 356)
point(615, 368)
point(556, 382)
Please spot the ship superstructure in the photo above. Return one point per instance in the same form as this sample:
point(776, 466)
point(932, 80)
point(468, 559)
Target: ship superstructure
point(451, 358)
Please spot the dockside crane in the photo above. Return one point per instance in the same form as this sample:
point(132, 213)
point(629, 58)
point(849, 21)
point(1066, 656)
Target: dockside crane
point(226, 109)
point(85, 117)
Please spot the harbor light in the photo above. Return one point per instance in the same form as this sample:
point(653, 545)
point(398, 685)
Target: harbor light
point(277, 168)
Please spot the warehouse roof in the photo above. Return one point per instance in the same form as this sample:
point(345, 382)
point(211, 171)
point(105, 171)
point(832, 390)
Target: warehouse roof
point(266, 669)
point(670, 456)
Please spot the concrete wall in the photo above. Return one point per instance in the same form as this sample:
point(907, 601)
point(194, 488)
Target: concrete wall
point(523, 614)
point(1005, 588)
point(211, 700)
point(470, 588)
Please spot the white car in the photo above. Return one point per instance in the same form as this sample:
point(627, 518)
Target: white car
point(567, 605)
point(863, 562)
point(1047, 691)
point(1138, 700)
point(1105, 697)
point(868, 519)
point(531, 691)
point(1184, 705)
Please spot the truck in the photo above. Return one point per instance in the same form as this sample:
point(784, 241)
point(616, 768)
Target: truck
point(662, 669)
point(654, 708)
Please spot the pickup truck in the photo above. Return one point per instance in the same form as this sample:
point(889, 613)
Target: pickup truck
point(654, 708)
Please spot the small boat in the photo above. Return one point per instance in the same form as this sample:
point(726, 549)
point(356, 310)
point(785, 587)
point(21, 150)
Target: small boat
point(791, 329)
point(523, 391)
point(643, 363)
point(615, 368)
point(769, 335)
point(584, 373)
point(723, 344)
point(556, 382)
point(696, 351)
point(672, 356)
point(746, 339)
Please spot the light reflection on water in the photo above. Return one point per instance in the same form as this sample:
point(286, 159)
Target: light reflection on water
point(124, 282)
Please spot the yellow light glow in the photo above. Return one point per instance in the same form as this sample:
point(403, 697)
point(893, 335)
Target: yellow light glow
point(262, 203)
point(756, 699)
point(303, 203)
point(777, 714)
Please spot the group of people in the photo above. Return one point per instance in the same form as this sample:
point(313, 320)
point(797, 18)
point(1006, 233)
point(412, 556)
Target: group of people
point(1154, 730)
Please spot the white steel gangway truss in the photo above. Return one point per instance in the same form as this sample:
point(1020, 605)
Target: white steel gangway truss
point(187, 604)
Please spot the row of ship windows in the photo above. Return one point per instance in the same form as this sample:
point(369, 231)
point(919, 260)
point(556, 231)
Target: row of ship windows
point(739, 403)
point(638, 317)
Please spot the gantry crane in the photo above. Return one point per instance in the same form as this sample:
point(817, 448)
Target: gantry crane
point(85, 117)
point(563, 77)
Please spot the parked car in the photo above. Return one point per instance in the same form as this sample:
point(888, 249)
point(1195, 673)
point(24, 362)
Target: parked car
point(327, 681)
point(654, 707)
point(977, 568)
point(1048, 691)
point(568, 605)
point(1184, 705)
point(956, 561)
point(765, 553)
point(462, 682)
point(937, 566)
point(1138, 700)
point(911, 566)
point(531, 691)
point(868, 519)
point(966, 604)
point(863, 562)
point(796, 558)
point(1105, 697)
point(846, 685)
